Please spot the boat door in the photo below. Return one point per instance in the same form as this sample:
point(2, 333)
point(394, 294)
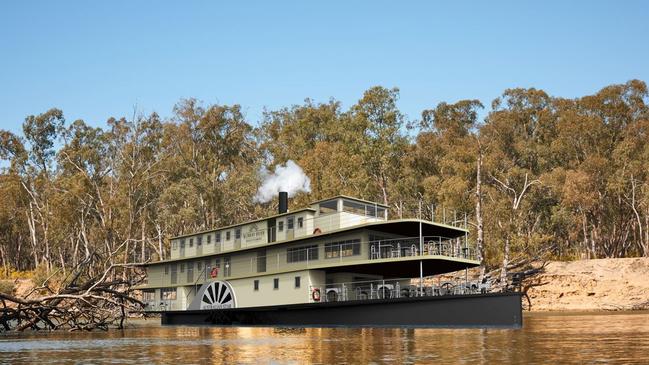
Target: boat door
point(271, 230)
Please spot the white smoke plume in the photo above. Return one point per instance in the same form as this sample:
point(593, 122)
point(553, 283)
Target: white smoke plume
point(289, 178)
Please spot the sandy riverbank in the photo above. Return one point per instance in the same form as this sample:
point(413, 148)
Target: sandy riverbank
point(591, 285)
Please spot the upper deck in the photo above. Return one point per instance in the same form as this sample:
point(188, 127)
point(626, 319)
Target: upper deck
point(320, 217)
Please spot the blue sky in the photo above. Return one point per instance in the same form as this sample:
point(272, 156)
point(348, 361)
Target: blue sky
point(97, 60)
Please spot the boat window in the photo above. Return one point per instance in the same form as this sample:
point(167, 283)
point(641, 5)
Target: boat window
point(261, 260)
point(280, 226)
point(300, 222)
point(209, 239)
point(182, 243)
point(168, 294)
point(353, 207)
point(289, 223)
point(199, 266)
point(148, 295)
point(227, 266)
point(199, 240)
point(174, 245)
point(297, 281)
point(227, 235)
point(217, 237)
point(330, 206)
point(256, 285)
point(343, 248)
point(276, 283)
point(182, 267)
point(380, 212)
point(370, 210)
point(237, 233)
point(166, 269)
point(298, 254)
point(191, 242)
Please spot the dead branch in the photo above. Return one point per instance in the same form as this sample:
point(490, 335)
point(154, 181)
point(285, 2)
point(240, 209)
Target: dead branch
point(83, 302)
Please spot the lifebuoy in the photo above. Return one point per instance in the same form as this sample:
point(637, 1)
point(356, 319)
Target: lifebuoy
point(317, 231)
point(315, 294)
point(215, 272)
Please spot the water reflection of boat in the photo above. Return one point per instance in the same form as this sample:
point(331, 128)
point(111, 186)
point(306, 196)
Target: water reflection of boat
point(340, 261)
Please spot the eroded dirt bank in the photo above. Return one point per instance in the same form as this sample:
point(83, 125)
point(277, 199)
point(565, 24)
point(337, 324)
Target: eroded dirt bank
point(586, 285)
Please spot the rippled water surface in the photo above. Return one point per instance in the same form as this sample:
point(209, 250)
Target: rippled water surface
point(574, 338)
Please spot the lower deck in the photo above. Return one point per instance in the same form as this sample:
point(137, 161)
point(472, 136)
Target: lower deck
point(306, 286)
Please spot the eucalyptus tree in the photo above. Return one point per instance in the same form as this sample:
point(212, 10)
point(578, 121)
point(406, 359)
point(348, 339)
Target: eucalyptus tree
point(32, 160)
point(382, 143)
point(208, 148)
point(516, 134)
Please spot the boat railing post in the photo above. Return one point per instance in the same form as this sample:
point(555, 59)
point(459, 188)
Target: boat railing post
point(421, 276)
point(432, 212)
point(421, 240)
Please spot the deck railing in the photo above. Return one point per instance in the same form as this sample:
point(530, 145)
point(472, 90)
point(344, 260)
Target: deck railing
point(392, 289)
point(422, 246)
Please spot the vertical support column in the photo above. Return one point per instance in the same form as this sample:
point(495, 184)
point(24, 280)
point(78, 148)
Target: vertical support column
point(421, 277)
point(421, 240)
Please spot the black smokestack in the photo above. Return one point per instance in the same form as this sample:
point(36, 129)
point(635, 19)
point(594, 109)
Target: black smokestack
point(283, 202)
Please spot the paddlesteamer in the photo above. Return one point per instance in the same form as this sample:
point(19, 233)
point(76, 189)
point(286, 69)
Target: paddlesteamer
point(337, 262)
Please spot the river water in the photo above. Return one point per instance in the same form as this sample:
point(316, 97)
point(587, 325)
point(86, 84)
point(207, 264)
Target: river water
point(544, 338)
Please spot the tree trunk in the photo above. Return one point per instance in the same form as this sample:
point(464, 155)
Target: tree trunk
point(478, 215)
point(503, 271)
point(142, 257)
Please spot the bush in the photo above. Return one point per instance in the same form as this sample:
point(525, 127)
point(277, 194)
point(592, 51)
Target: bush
point(7, 287)
point(40, 275)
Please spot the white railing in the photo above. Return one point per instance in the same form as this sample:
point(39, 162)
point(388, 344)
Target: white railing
point(422, 246)
point(392, 289)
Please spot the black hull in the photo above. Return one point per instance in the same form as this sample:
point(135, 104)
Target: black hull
point(484, 310)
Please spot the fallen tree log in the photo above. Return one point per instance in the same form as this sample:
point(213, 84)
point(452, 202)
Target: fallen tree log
point(81, 302)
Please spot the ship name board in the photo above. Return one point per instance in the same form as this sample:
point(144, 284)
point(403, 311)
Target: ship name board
point(254, 234)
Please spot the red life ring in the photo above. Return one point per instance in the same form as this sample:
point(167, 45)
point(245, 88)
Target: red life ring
point(215, 272)
point(315, 294)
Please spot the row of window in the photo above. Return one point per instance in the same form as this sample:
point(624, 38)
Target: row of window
point(202, 268)
point(170, 293)
point(304, 253)
point(290, 224)
point(255, 284)
point(332, 250)
point(359, 208)
point(342, 249)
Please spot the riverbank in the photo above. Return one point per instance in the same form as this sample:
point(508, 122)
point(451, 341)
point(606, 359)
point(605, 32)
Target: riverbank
point(592, 285)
